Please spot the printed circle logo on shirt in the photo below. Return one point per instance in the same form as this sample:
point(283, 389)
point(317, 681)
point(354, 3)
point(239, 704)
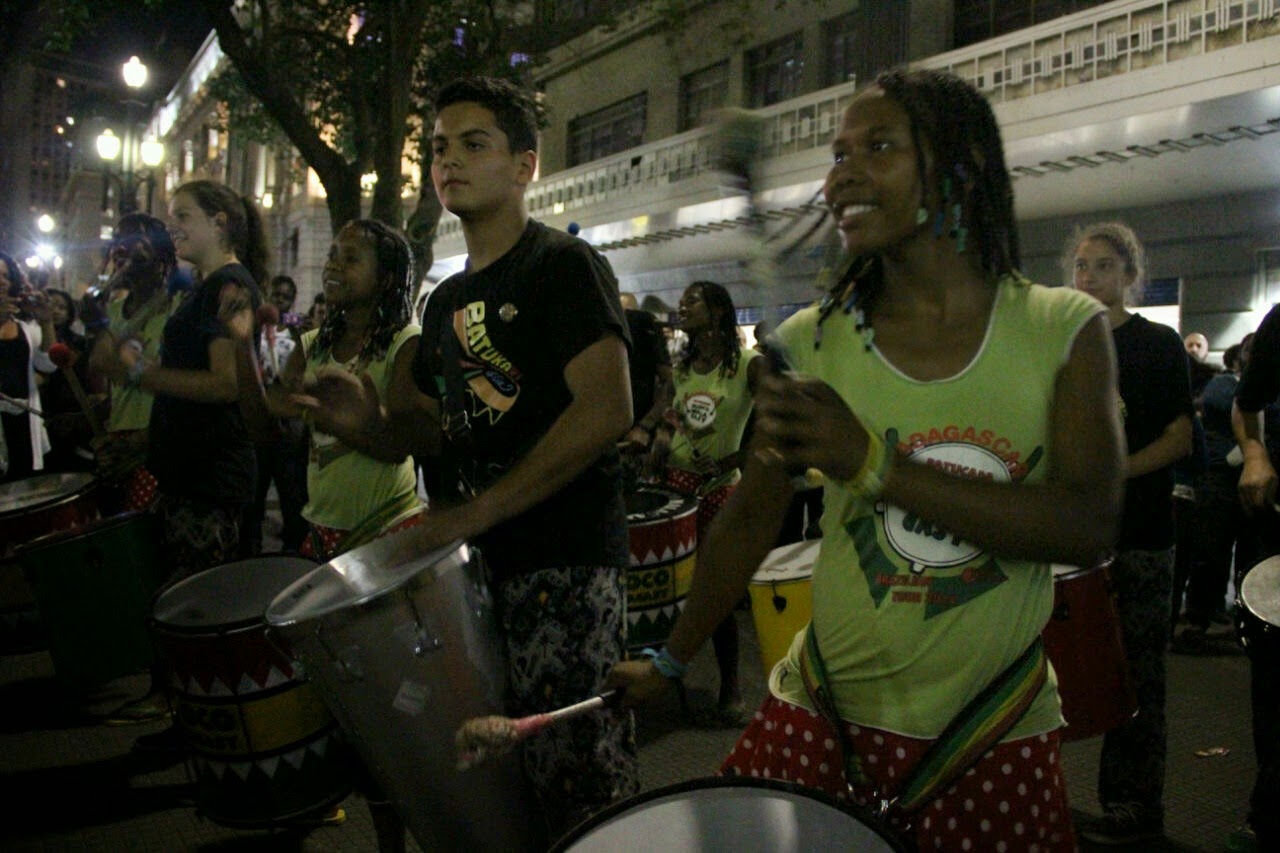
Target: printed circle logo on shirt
point(700, 411)
point(923, 543)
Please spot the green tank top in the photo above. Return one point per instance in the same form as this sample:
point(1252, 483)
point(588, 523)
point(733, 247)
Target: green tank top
point(911, 620)
point(344, 486)
point(713, 412)
point(131, 407)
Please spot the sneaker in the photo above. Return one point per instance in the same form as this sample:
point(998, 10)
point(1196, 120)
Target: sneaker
point(1124, 823)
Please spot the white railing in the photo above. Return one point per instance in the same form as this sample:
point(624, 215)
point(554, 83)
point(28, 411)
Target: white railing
point(1069, 51)
point(1106, 41)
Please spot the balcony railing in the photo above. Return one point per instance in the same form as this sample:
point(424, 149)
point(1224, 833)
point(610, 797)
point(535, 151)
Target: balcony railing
point(1106, 41)
point(1093, 45)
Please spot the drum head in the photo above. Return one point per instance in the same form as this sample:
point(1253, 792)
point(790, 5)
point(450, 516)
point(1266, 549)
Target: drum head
point(729, 813)
point(31, 492)
point(1260, 591)
point(654, 504)
point(230, 595)
point(360, 575)
point(789, 563)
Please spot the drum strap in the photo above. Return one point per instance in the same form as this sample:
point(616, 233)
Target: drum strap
point(977, 727)
point(389, 514)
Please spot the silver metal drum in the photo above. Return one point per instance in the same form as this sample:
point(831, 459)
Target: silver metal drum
point(403, 650)
point(730, 813)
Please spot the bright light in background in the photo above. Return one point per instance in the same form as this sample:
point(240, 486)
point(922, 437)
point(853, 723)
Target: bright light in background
point(45, 223)
point(33, 262)
point(45, 252)
point(108, 145)
point(57, 262)
point(367, 181)
point(268, 200)
point(135, 73)
point(152, 151)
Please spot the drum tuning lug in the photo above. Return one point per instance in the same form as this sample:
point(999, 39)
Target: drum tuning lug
point(424, 639)
point(346, 662)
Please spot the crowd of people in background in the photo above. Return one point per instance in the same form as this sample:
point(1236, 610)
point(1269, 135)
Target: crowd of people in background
point(206, 402)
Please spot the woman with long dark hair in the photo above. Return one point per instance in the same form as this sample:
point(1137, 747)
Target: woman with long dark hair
point(26, 334)
point(700, 439)
point(965, 422)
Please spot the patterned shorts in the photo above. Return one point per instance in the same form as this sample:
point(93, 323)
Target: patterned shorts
point(564, 630)
point(1014, 798)
point(197, 536)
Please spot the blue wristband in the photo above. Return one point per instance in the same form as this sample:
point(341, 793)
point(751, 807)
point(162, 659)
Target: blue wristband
point(666, 664)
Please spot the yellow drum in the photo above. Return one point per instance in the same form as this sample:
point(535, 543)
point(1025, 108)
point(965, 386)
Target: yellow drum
point(782, 598)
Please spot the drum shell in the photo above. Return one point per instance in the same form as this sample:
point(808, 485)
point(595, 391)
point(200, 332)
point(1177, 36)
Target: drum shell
point(94, 585)
point(1258, 610)
point(402, 670)
point(730, 813)
point(1083, 641)
point(265, 747)
point(663, 534)
point(786, 577)
point(56, 502)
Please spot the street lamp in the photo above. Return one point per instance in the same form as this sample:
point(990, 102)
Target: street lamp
point(149, 153)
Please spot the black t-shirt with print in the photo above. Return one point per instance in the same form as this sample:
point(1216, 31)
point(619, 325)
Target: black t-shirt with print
point(495, 344)
point(197, 450)
point(1154, 390)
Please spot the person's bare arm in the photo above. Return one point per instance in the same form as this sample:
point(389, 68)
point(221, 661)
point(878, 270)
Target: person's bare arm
point(1257, 487)
point(1173, 445)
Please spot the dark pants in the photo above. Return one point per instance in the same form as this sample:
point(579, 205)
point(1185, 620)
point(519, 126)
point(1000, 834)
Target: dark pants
point(285, 462)
point(1131, 769)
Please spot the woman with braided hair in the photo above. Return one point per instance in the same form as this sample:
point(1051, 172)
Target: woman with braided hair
point(966, 425)
point(698, 443)
point(357, 488)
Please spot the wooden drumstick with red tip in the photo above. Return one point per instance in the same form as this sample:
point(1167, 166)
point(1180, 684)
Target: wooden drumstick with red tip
point(65, 358)
point(487, 737)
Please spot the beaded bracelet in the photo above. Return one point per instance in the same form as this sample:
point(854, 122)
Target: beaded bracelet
point(666, 664)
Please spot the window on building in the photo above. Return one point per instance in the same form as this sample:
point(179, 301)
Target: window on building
point(702, 93)
point(841, 37)
point(774, 70)
point(978, 20)
point(607, 131)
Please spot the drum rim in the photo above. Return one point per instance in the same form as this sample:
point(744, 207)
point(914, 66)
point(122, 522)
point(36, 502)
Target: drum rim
point(429, 560)
point(59, 537)
point(776, 785)
point(215, 628)
point(53, 500)
point(677, 505)
point(1256, 577)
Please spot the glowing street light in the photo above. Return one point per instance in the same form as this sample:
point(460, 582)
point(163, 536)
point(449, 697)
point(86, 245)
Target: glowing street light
point(46, 223)
point(135, 73)
point(137, 158)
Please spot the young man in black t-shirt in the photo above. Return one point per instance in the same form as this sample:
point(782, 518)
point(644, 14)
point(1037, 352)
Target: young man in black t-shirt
point(518, 393)
point(1259, 388)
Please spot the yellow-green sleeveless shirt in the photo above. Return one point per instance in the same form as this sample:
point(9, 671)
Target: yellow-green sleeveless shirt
point(911, 621)
point(713, 412)
point(344, 486)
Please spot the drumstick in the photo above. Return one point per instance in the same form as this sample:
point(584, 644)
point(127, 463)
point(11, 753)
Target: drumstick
point(21, 404)
point(268, 317)
point(485, 737)
point(65, 358)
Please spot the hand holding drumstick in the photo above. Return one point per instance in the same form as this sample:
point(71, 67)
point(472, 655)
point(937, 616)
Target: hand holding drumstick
point(486, 737)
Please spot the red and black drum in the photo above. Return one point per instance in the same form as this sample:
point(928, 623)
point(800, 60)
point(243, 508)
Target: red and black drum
point(730, 813)
point(30, 508)
point(95, 585)
point(663, 529)
point(1085, 646)
point(266, 749)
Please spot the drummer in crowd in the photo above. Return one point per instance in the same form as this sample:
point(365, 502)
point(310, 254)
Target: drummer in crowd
point(1107, 262)
point(523, 374)
point(357, 488)
point(142, 258)
point(698, 443)
point(26, 334)
point(1260, 387)
point(965, 421)
point(199, 446)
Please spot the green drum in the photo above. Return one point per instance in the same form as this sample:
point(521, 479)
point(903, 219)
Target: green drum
point(94, 587)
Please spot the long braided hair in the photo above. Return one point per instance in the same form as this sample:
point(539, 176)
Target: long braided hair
point(953, 121)
point(394, 306)
point(720, 307)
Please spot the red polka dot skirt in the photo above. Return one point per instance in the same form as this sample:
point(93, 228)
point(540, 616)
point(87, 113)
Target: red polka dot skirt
point(1013, 799)
point(139, 489)
point(330, 538)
